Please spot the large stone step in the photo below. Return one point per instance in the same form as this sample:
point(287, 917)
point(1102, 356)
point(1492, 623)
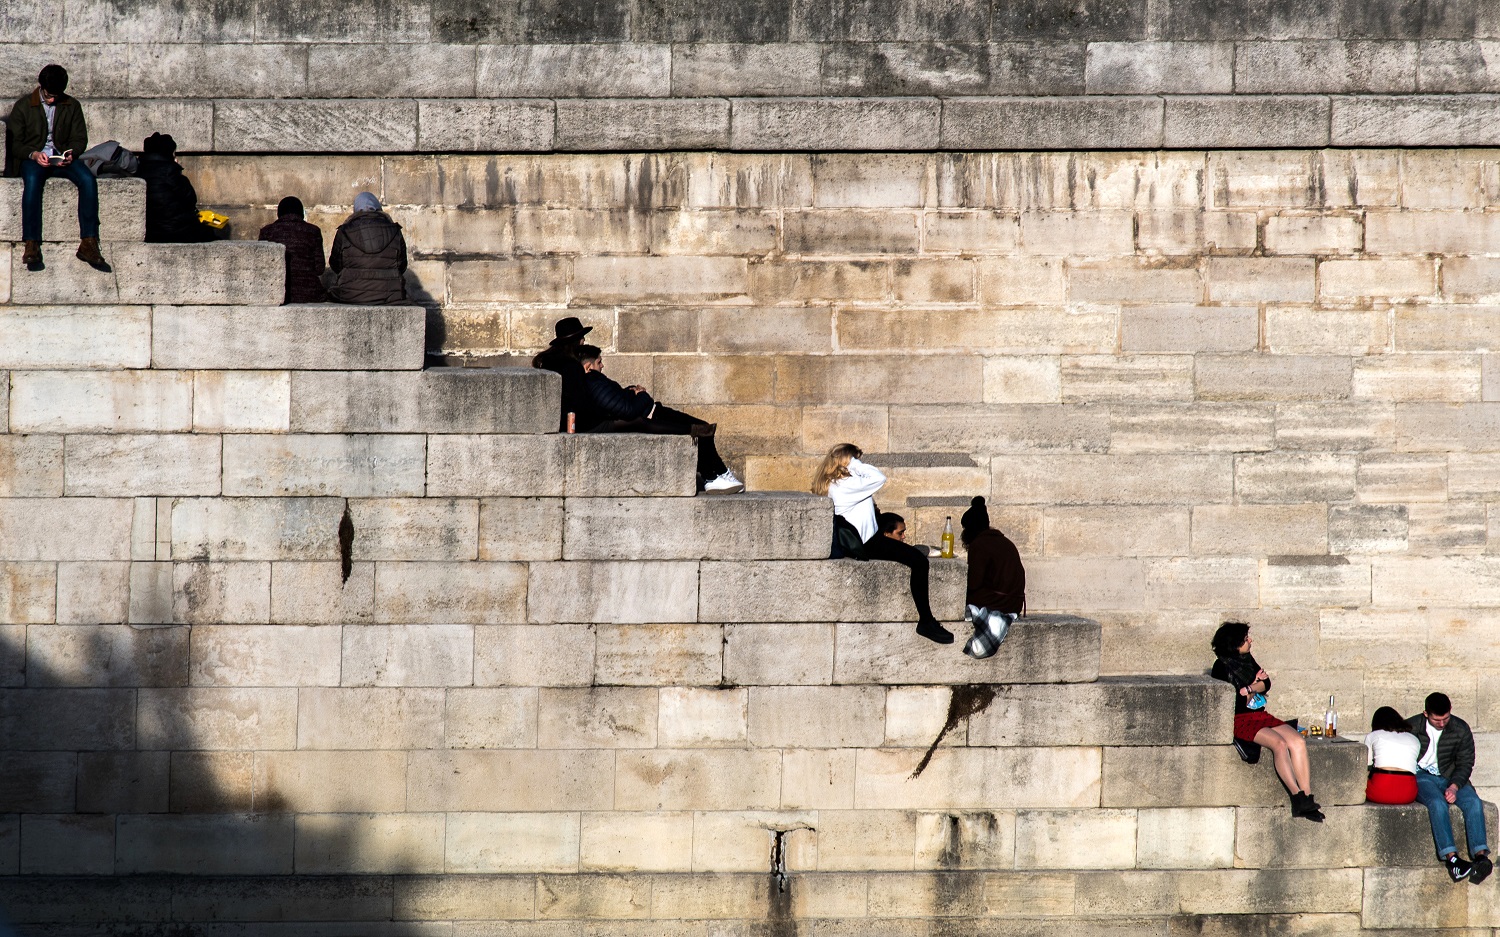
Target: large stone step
point(323, 337)
point(222, 273)
point(1214, 776)
point(781, 525)
point(444, 400)
point(122, 211)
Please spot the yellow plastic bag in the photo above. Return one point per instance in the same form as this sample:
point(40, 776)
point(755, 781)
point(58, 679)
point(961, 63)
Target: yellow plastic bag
point(213, 219)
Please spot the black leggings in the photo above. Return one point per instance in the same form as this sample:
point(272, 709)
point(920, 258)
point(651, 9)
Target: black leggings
point(881, 547)
point(668, 422)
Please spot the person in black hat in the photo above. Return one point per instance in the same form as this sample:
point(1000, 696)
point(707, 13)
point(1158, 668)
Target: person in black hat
point(304, 251)
point(996, 595)
point(171, 200)
point(561, 357)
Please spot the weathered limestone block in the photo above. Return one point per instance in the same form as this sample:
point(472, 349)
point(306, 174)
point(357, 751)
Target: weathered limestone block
point(999, 429)
point(465, 897)
point(702, 717)
point(986, 778)
point(769, 525)
point(212, 593)
point(31, 466)
point(369, 844)
point(1066, 839)
point(67, 845)
point(796, 654)
point(511, 780)
point(520, 528)
point(92, 593)
point(380, 718)
point(511, 842)
point(317, 593)
point(251, 844)
point(1249, 529)
point(217, 719)
point(136, 465)
point(817, 717)
point(265, 655)
point(658, 655)
point(1194, 232)
point(1052, 123)
point(835, 123)
point(441, 593)
point(1374, 835)
point(40, 782)
point(81, 337)
point(256, 528)
point(241, 401)
point(311, 338)
point(770, 590)
point(122, 210)
point(414, 529)
point(625, 591)
point(1191, 427)
point(315, 126)
point(123, 782)
point(534, 655)
point(1096, 478)
point(1185, 838)
point(491, 717)
point(643, 123)
point(101, 401)
point(66, 281)
point(349, 465)
point(697, 779)
point(442, 400)
point(222, 273)
point(408, 655)
point(1113, 711)
point(107, 656)
point(597, 718)
point(66, 719)
point(585, 465)
point(1214, 776)
point(1261, 279)
point(1219, 891)
point(34, 529)
point(1039, 648)
point(1396, 900)
point(1272, 377)
point(318, 782)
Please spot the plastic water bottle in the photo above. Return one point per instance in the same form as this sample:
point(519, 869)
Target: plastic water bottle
point(948, 538)
point(1330, 720)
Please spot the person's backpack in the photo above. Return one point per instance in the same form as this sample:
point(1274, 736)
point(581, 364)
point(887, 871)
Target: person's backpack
point(846, 541)
point(110, 159)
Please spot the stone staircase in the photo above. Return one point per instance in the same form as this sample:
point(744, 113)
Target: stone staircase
point(299, 638)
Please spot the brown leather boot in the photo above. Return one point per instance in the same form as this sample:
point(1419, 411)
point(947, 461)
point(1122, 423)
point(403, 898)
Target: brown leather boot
point(88, 252)
point(32, 256)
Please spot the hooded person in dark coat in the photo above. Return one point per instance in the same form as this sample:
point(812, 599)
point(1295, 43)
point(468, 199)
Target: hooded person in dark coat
point(997, 579)
point(304, 252)
point(368, 260)
point(171, 200)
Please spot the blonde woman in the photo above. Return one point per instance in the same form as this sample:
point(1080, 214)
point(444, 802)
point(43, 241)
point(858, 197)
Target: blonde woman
point(852, 484)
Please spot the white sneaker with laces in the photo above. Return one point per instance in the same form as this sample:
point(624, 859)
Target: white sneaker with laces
point(725, 484)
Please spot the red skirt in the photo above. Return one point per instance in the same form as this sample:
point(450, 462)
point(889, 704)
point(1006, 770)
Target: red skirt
point(1391, 788)
point(1247, 724)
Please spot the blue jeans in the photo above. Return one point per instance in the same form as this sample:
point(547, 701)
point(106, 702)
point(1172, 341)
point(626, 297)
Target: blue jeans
point(34, 179)
point(1430, 788)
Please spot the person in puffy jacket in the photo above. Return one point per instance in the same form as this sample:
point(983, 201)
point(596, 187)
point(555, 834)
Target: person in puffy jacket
point(171, 200)
point(304, 251)
point(368, 262)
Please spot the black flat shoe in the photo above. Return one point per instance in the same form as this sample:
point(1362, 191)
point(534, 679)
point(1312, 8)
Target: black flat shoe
point(934, 631)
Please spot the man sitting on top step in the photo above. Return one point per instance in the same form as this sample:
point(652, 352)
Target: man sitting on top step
point(1444, 764)
point(44, 135)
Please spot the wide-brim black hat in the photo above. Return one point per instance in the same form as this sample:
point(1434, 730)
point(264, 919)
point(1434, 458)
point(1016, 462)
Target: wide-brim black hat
point(569, 330)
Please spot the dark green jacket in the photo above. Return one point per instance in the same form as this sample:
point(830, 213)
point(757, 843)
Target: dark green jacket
point(26, 130)
point(1455, 754)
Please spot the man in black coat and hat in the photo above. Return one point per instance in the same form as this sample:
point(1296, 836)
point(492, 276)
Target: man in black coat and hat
point(561, 357)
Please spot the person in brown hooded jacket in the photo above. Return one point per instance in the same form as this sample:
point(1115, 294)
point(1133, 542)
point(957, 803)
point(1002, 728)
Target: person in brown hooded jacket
point(997, 578)
point(368, 260)
point(304, 251)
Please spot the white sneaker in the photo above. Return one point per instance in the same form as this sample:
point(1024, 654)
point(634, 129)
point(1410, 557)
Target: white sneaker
point(725, 484)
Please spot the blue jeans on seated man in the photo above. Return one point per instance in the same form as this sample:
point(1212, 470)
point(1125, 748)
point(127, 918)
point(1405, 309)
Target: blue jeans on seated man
point(1430, 788)
point(34, 179)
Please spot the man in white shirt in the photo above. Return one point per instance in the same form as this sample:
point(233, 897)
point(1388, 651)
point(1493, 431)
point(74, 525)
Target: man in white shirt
point(1444, 764)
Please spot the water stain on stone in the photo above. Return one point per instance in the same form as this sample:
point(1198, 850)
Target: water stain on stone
point(346, 543)
point(963, 702)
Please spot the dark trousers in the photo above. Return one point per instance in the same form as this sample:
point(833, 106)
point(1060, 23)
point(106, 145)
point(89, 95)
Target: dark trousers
point(34, 179)
point(881, 547)
point(668, 422)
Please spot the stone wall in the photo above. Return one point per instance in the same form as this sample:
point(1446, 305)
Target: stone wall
point(769, 75)
point(1193, 385)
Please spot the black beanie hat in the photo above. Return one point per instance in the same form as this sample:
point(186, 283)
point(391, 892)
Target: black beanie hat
point(291, 205)
point(976, 518)
point(160, 143)
point(53, 79)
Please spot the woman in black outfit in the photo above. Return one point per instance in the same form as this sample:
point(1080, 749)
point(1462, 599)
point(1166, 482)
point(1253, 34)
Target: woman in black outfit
point(1236, 666)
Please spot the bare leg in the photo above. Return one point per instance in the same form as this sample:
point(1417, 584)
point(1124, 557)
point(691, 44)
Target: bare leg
point(1289, 751)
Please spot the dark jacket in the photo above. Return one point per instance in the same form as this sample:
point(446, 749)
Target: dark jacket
point(26, 129)
point(997, 578)
point(614, 401)
point(171, 202)
point(1455, 748)
point(1239, 672)
point(368, 260)
point(304, 258)
point(575, 393)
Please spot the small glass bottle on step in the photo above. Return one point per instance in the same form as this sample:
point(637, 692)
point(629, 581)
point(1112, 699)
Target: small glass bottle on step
point(1331, 720)
point(948, 538)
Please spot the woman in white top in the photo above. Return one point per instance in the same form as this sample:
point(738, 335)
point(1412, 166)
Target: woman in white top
point(852, 485)
point(1393, 759)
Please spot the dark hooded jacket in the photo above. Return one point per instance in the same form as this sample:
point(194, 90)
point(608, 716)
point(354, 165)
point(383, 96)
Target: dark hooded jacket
point(171, 202)
point(304, 257)
point(1455, 747)
point(26, 129)
point(368, 260)
point(997, 578)
point(614, 401)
